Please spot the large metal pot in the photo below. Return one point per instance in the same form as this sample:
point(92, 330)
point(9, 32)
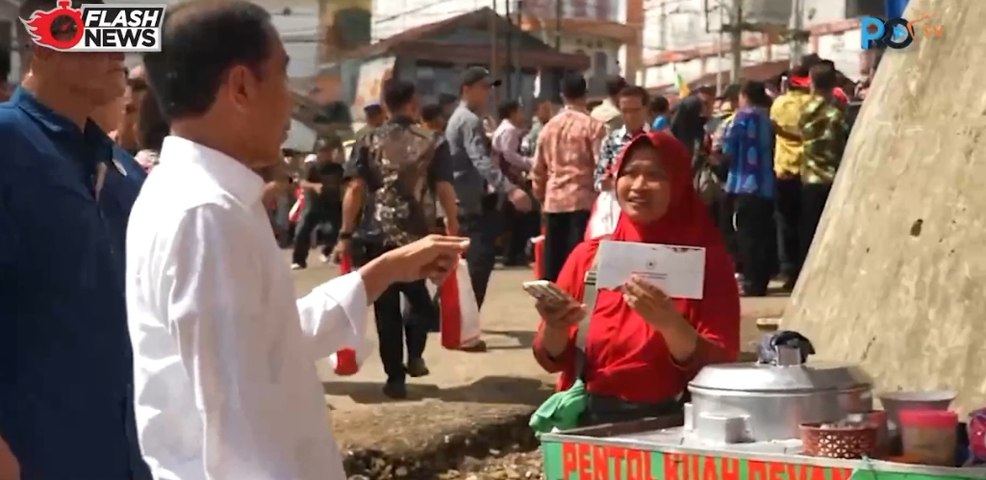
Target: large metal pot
point(770, 401)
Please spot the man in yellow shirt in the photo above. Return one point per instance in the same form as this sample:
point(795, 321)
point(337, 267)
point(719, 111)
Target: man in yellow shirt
point(788, 158)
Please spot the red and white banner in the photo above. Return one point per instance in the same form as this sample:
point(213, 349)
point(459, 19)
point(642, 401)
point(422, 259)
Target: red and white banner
point(295, 214)
point(460, 313)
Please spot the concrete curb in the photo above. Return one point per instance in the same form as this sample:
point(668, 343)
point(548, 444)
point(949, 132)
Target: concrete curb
point(444, 453)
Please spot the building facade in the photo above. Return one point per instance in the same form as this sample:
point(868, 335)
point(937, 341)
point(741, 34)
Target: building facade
point(601, 30)
point(682, 37)
point(434, 56)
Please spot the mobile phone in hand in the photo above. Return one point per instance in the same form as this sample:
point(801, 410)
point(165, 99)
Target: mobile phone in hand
point(546, 291)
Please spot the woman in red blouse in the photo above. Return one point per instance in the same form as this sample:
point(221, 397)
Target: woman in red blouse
point(642, 347)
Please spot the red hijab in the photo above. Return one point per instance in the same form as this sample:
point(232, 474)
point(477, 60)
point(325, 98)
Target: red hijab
point(626, 357)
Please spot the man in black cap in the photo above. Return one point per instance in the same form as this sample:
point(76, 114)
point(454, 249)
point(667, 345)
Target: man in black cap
point(479, 183)
point(322, 184)
point(375, 116)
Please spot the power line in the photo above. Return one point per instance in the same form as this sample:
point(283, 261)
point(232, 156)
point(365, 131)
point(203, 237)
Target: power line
point(426, 6)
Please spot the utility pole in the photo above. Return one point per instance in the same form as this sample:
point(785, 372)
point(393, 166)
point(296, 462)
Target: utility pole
point(736, 41)
point(797, 24)
point(518, 68)
point(508, 70)
point(494, 70)
point(558, 14)
point(719, 45)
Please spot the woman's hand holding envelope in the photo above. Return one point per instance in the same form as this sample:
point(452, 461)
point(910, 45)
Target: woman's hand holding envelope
point(658, 310)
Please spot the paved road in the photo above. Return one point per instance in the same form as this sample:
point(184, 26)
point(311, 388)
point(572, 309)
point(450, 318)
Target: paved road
point(504, 374)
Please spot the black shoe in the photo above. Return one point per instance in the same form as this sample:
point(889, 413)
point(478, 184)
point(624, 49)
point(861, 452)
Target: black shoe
point(478, 346)
point(396, 391)
point(416, 367)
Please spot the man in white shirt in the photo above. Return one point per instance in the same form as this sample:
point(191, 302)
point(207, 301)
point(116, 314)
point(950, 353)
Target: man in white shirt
point(224, 355)
point(507, 139)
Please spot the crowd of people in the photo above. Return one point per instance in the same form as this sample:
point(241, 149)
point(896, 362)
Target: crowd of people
point(151, 328)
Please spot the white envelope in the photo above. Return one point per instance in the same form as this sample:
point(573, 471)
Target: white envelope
point(678, 270)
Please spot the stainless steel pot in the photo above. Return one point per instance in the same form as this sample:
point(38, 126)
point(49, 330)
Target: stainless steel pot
point(773, 400)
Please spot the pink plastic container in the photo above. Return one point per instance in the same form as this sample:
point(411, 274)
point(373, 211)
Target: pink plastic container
point(928, 436)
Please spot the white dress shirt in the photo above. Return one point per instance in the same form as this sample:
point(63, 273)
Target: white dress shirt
point(506, 141)
point(224, 356)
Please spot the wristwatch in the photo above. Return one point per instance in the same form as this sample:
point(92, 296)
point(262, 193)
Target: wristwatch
point(345, 236)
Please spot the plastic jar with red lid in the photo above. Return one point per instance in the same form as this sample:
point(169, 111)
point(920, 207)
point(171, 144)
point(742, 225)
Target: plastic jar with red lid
point(928, 436)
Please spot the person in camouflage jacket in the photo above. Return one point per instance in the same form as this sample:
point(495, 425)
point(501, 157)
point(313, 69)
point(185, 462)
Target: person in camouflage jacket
point(824, 132)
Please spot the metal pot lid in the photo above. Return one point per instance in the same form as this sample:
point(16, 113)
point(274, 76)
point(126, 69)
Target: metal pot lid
point(752, 377)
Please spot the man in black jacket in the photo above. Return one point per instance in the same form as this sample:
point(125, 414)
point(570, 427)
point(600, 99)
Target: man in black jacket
point(322, 185)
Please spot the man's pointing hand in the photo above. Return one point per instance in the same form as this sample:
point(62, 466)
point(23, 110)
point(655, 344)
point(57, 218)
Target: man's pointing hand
point(432, 257)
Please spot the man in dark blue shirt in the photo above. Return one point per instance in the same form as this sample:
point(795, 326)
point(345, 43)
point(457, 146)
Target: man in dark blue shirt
point(66, 407)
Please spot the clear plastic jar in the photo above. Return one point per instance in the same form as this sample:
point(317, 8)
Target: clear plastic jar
point(928, 436)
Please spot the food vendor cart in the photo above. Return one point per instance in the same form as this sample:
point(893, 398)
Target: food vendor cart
point(743, 422)
point(636, 451)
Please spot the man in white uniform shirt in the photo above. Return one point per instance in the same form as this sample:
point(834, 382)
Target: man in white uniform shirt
point(224, 355)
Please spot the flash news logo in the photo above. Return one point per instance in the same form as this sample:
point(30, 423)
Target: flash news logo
point(97, 28)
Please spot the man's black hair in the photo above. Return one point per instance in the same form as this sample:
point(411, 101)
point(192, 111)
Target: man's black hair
point(152, 126)
point(810, 60)
point(708, 90)
point(659, 105)
point(573, 86)
point(507, 108)
point(432, 112)
point(446, 99)
point(731, 92)
point(755, 92)
point(823, 77)
point(397, 94)
point(636, 91)
point(200, 42)
point(615, 84)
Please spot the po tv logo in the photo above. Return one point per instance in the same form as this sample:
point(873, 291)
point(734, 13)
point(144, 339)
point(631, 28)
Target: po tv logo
point(896, 33)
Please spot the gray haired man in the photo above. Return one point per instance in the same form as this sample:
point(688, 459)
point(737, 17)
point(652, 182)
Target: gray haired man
point(479, 182)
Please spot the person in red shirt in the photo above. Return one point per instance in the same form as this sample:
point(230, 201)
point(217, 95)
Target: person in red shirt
point(642, 347)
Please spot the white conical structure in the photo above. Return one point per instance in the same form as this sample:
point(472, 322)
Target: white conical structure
point(896, 277)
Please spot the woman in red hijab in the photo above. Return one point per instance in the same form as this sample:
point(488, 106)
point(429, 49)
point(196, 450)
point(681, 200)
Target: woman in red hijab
point(642, 347)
